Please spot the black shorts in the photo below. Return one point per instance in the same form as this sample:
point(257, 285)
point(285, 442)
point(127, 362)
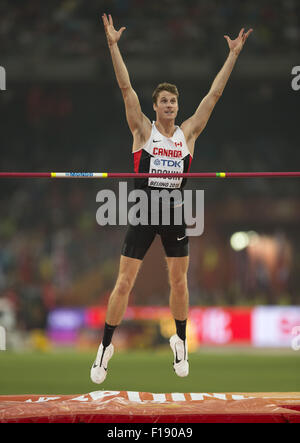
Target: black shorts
point(139, 239)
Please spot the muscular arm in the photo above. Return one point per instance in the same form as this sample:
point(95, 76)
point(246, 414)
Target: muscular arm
point(137, 121)
point(195, 124)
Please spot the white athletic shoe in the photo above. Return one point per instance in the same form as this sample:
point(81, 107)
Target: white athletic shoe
point(180, 350)
point(99, 368)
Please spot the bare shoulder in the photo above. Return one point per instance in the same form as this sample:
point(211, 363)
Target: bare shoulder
point(189, 135)
point(141, 134)
point(187, 129)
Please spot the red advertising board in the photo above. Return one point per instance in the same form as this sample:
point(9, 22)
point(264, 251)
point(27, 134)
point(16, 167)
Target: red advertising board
point(221, 326)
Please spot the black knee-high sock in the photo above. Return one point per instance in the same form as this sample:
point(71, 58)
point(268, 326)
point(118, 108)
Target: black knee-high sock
point(181, 328)
point(108, 333)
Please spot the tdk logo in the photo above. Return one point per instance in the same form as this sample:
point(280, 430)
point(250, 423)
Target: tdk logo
point(2, 79)
point(171, 163)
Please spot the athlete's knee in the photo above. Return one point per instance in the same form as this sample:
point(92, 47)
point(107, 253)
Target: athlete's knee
point(124, 284)
point(178, 283)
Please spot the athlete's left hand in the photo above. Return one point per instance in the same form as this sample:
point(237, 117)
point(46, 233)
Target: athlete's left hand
point(236, 45)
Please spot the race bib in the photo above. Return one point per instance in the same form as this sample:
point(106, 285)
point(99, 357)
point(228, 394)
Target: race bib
point(165, 166)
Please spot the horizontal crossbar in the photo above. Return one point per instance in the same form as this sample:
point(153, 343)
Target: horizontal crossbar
point(95, 175)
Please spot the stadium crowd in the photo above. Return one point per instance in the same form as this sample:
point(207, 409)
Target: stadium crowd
point(72, 27)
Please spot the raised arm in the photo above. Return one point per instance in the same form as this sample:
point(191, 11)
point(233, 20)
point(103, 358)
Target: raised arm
point(195, 124)
point(137, 121)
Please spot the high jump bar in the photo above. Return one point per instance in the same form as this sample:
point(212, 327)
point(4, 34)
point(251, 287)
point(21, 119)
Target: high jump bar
point(95, 175)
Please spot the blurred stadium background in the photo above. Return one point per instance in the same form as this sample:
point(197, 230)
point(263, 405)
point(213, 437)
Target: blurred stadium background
point(63, 111)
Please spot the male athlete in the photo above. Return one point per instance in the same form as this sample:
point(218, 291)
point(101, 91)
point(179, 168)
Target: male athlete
point(155, 143)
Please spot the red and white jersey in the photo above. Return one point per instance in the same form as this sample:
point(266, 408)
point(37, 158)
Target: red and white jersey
point(162, 154)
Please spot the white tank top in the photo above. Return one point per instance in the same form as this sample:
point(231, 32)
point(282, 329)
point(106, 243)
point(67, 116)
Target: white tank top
point(167, 155)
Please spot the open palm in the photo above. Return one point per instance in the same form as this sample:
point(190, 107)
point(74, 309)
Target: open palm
point(113, 36)
point(237, 44)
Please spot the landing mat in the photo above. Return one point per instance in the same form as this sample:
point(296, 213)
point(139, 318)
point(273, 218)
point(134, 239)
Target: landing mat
point(145, 407)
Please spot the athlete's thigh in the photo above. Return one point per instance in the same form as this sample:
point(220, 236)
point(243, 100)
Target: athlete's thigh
point(137, 241)
point(129, 267)
point(175, 241)
point(177, 266)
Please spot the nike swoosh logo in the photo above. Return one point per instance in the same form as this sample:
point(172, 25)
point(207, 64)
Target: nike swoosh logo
point(176, 357)
point(156, 141)
point(95, 366)
point(181, 238)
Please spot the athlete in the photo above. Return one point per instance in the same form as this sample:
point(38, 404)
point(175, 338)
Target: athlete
point(154, 144)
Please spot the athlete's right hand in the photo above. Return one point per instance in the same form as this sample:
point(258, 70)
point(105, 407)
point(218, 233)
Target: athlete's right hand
point(113, 36)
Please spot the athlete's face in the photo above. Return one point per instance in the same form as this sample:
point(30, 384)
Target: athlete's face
point(166, 106)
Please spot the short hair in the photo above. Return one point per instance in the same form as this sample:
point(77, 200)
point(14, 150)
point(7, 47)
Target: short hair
point(164, 87)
